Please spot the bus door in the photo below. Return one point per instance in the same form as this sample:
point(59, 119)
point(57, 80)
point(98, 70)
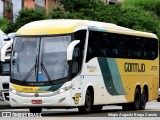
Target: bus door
point(77, 61)
point(77, 81)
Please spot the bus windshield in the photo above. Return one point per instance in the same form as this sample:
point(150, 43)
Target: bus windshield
point(40, 59)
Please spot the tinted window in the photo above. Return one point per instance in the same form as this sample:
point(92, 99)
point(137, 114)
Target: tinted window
point(121, 46)
point(78, 52)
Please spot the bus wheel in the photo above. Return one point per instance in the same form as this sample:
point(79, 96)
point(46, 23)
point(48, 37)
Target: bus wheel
point(35, 110)
point(136, 104)
point(137, 100)
point(97, 108)
point(88, 103)
point(143, 100)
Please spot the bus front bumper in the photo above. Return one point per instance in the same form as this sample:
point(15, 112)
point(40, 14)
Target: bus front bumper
point(59, 100)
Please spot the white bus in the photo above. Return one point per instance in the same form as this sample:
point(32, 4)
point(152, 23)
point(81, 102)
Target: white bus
point(84, 64)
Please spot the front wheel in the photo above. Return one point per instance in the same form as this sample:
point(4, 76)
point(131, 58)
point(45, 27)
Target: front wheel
point(88, 103)
point(35, 110)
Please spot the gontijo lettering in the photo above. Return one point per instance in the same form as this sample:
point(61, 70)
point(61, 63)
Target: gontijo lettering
point(134, 67)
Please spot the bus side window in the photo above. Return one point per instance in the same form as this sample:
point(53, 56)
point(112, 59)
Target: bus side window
point(89, 53)
point(75, 61)
point(106, 43)
point(78, 52)
point(154, 46)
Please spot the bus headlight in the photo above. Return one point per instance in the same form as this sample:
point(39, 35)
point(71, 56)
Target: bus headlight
point(63, 89)
point(13, 91)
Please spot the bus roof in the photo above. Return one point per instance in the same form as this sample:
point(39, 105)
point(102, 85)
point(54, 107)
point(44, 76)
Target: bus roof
point(64, 26)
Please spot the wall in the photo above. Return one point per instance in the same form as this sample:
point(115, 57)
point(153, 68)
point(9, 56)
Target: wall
point(29, 4)
point(17, 6)
point(1, 9)
point(51, 3)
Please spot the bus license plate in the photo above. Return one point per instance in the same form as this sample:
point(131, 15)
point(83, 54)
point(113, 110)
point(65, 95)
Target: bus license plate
point(36, 101)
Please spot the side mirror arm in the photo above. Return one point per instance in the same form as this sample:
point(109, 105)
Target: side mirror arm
point(71, 48)
point(4, 50)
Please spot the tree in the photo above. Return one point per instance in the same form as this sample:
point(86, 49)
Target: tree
point(76, 5)
point(28, 15)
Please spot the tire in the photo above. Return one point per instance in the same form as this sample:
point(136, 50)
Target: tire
point(143, 100)
point(136, 104)
point(97, 108)
point(88, 103)
point(137, 100)
point(35, 110)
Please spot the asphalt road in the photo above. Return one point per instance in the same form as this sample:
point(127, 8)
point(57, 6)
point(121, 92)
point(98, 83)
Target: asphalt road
point(108, 112)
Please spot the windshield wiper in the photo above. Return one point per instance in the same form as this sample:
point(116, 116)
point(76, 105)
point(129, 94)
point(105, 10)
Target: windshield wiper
point(29, 73)
point(45, 71)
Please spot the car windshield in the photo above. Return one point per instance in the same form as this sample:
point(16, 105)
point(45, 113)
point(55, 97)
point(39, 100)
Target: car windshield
point(40, 59)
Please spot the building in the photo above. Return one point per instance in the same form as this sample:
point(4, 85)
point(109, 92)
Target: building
point(41, 4)
point(6, 8)
point(10, 8)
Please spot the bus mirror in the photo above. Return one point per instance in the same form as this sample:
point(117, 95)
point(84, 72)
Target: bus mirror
point(71, 48)
point(4, 50)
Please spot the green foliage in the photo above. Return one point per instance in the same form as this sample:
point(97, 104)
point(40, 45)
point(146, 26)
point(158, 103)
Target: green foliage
point(28, 15)
point(3, 21)
point(131, 14)
point(135, 14)
point(139, 19)
point(149, 5)
point(57, 13)
point(76, 5)
point(134, 18)
point(4, 24)
point(11, 27)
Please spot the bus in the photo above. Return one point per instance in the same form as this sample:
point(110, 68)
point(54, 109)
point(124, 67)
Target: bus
point(5, 53)
point(82, 64)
